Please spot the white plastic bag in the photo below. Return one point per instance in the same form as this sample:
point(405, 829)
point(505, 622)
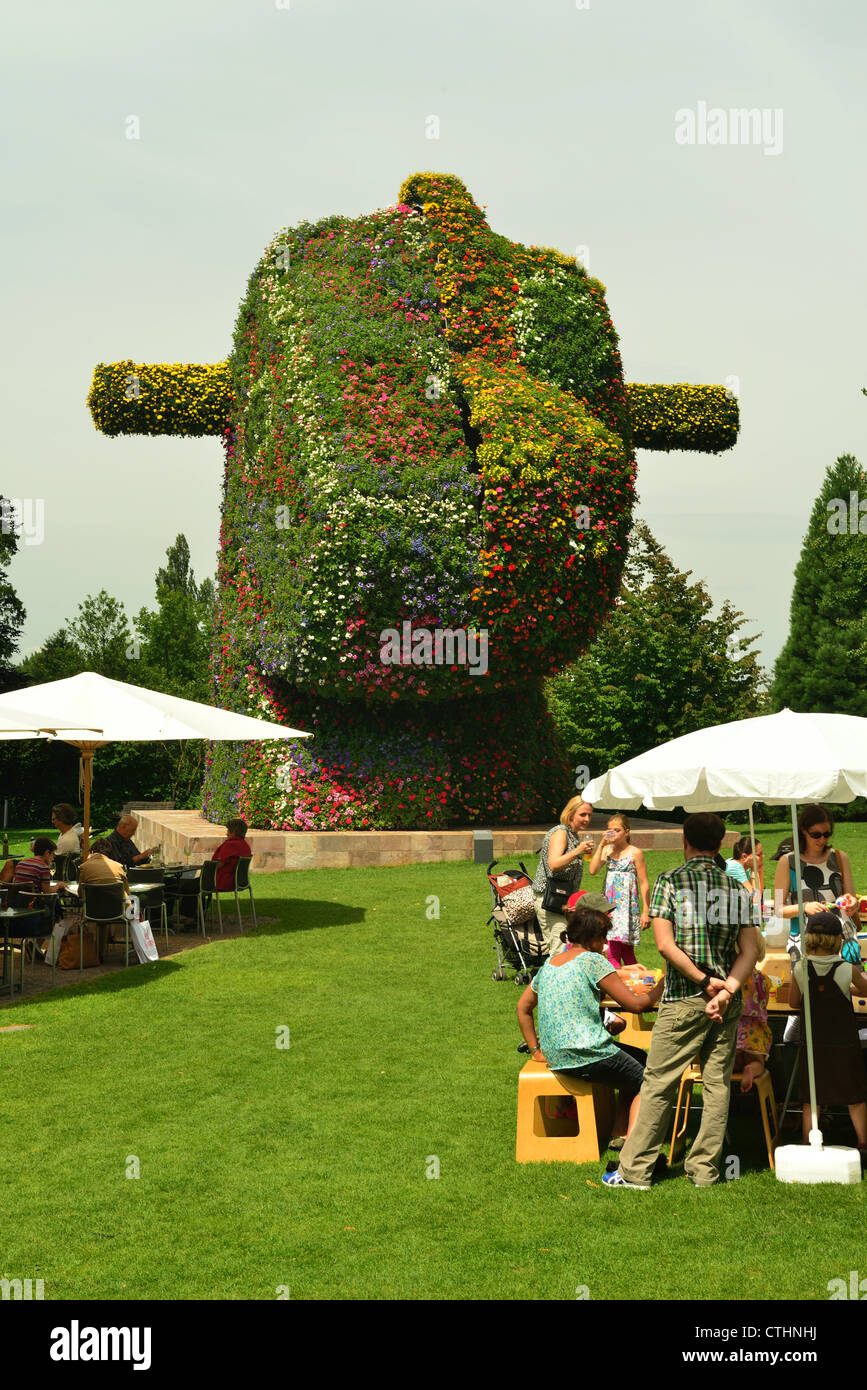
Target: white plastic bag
point(140, 932)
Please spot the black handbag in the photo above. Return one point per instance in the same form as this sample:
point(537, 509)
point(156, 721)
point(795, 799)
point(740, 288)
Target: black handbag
point(557, 893)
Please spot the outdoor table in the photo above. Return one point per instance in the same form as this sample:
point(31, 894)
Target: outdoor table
point(40, 918)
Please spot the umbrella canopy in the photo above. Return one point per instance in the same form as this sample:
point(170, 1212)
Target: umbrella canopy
point(18, 723)
point(99, 711)
point(774, 758)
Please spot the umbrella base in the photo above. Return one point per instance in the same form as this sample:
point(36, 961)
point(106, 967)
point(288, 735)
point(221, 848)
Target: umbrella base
point(808, 1163)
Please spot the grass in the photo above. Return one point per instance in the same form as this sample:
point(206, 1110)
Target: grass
point(304, 1167)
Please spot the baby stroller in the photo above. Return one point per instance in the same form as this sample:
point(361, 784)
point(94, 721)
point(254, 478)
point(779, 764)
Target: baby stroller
point(518, 939)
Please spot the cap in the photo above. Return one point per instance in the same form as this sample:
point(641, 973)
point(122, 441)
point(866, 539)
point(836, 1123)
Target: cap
point(825, 923)
point(784, 847)
point(597, 901)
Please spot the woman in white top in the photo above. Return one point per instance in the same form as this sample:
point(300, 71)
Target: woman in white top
point(63, 819)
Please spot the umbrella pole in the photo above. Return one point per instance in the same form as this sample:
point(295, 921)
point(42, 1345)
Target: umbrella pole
point(87, 771)
point(815, 1132)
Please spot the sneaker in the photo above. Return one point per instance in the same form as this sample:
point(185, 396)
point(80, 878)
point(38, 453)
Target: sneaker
point(615, 1180)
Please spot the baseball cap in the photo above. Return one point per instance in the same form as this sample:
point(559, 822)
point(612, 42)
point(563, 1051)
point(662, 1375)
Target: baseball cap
point(597, 901)
point(825, 923)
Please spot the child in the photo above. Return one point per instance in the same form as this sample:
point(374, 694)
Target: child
point(840, 1078)
point(625, 875)
point(754, 1035)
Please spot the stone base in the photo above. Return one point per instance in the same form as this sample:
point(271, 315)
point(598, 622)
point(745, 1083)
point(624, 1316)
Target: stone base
point(277, 850)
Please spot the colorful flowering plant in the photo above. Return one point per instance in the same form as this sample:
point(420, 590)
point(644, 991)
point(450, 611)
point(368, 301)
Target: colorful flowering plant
point(428, 430)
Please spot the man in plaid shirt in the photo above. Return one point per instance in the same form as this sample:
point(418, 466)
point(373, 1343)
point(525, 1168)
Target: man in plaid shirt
point(703, 927)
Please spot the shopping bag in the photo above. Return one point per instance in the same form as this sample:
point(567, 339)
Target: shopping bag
point(140, 932)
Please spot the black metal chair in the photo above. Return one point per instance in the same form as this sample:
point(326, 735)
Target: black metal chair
point(103, 904)
point(24, 926)
point(66, 867)
point(241, 884)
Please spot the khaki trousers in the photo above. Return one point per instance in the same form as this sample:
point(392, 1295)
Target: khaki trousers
point(683, 1031)
point(552, 923)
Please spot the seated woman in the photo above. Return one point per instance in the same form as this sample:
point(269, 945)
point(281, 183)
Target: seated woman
point(233, 848)
point(63, 818)
point(101, 868)
point(572, 1037)
point(35, 872)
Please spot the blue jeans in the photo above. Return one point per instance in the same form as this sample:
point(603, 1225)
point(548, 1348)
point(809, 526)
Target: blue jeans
point(625, 1071)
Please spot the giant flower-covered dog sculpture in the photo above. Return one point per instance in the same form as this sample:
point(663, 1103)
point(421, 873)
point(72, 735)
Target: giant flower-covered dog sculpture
point(428, 490)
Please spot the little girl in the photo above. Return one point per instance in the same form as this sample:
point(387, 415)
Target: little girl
point(840, 1078)
point(625, 875)
point(754, 1035)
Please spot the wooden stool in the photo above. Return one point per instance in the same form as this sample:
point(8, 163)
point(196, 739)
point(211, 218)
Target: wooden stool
point(767, 1111)
point(544, 1138)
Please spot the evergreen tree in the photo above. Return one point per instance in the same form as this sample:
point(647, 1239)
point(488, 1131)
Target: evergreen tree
point(823, 665)
point(662, 665)
point(176, 637)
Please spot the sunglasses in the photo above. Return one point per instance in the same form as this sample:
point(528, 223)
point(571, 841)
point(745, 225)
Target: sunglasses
point(820, 834)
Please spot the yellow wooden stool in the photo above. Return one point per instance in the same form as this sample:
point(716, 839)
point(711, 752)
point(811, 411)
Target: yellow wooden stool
point(543, 1137)
point(763, 1088)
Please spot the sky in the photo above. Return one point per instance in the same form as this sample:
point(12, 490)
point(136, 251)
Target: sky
point(725, 260)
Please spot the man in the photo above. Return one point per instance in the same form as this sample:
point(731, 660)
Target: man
point(123, 848)
point(701, 921)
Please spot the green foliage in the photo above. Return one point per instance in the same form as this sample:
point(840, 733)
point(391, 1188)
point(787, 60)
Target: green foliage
point(102, 634)
point(168, 653)
point(12, 612)
point(661, 666)
point(823, 665)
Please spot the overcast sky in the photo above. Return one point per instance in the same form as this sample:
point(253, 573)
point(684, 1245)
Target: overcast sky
point(725, 260)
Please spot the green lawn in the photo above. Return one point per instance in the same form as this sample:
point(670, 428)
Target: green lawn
point(305, 1167)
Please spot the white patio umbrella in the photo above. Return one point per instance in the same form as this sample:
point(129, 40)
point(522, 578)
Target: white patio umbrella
point(774, 758)
point(18, 723)
point(99, 711)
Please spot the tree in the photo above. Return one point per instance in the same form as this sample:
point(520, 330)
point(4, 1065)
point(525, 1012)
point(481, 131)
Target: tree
point(12, 612)
point(57, 658)
point(823, 665)
point(176, 637)
point(102, 634)
point(662, 665)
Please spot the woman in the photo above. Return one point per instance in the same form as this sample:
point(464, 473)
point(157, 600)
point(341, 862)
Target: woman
point(63, 819)
point(572, 1037)
point(743, 868)
point(826, 875)
point(562, 853)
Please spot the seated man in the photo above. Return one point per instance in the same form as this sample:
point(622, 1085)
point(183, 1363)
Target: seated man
point(123, 849)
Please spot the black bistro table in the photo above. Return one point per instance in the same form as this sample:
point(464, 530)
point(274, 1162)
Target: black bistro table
point(21, 924)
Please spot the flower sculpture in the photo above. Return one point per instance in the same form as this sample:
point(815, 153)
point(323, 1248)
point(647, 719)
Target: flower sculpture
point(428, 490)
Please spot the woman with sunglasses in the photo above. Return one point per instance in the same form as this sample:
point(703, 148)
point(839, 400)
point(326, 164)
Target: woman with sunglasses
point(826, 875)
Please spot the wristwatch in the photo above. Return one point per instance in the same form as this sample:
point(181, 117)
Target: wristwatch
point(703, 984)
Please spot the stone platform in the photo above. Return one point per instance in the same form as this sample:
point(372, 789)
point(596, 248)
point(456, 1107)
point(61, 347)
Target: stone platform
point(278, 850)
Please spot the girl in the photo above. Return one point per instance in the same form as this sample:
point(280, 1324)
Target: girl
point(754, 1035)
point(571, 1035)
point(840, 1078)
point(625, 876)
